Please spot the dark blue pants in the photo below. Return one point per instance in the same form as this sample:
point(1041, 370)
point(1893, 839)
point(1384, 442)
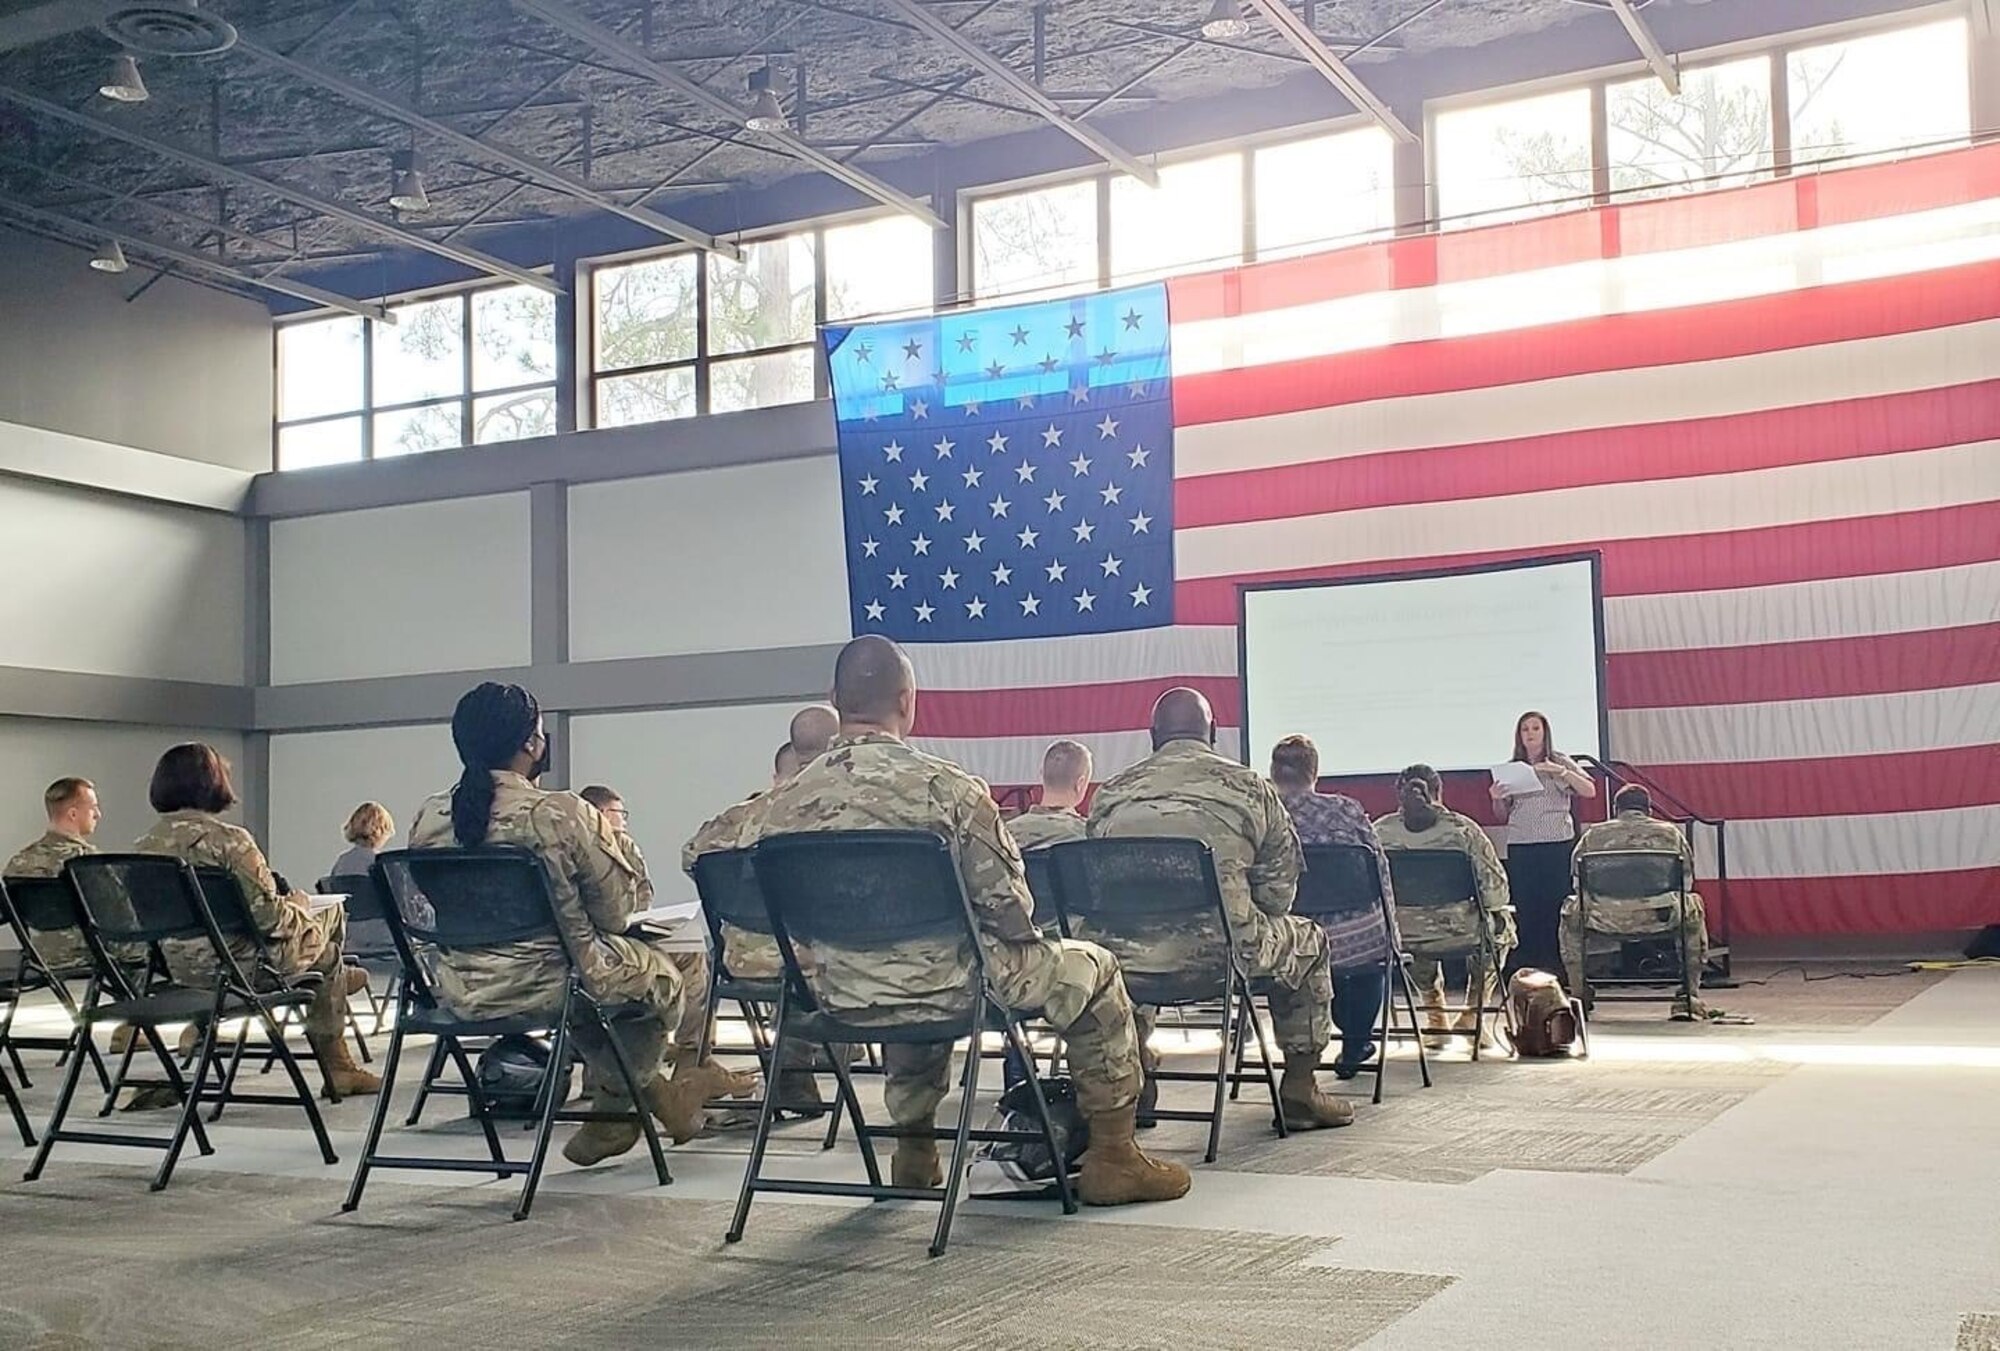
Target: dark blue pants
point(1357, 1010)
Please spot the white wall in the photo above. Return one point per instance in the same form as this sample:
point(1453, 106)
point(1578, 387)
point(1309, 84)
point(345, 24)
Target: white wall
point(183, 369)
point(434, 586)
point(708, 561)
point(114, 586)
point(675, 769)
point(318, 778)
point(119, 760)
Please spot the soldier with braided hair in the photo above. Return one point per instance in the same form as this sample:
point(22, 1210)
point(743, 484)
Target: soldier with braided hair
point(503, 747)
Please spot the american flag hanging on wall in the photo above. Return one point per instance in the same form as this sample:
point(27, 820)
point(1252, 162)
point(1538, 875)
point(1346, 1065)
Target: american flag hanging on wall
point(1775, 410)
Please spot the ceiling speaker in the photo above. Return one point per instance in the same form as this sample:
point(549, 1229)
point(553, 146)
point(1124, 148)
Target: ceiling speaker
point(168, 28)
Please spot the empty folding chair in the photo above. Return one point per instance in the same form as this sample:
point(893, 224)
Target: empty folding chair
point(866, 895)
point(733, 909)
point(467, 900)
point(141, 901)
point(1140, 897)
point(1436, 892)
point(368, 944)
point(41, 911)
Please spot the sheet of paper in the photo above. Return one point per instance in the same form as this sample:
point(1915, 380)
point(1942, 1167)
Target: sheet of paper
point(1517, 779)
point(321, 902)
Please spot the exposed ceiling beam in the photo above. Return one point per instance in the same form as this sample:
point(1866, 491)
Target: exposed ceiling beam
point(1649, 46)
point(134, 199)
point(174, 253)
point(547, 175)
point(1045, 107)
point(213, 168)
point(590, 33)
point(1323, 58)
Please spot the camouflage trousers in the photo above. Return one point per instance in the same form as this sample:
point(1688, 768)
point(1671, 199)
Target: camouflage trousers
point(1635, 919)
point(1077, 987)
point(1289, 964)
point(1433, 937)
point(643, 1019)
point(316, 951)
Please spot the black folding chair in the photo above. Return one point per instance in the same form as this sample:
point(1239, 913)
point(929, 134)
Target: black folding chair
point(368, 945)
point(36, 910)
point(1135, 895)
point(866, 893)
point(1441, 880)
point(1651, 876)
point(727, 885)
point(448, 901)
point(140, 901)
point(1340, 882)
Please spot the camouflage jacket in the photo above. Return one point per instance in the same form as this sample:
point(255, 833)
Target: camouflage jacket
point(1424, 926)
point(876, 782)
point(749, 956)
point(1632, 830)
point(45, 858)
point(296, 939)
point(1185, 789)
point(1040, 827)
point(596, 891)
point(642, 880)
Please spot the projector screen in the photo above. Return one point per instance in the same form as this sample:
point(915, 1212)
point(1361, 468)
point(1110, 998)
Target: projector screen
point(1383, 672)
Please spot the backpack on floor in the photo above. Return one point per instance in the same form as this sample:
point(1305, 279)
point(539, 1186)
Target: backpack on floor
point(1544, 1023)
point(1024, 1168)
point(511, 1072)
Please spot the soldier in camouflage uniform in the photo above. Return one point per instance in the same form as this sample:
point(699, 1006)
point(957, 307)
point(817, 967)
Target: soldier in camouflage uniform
point(1065, 783)
point(190, 787)
point(498, 732)
point(1633, 826)
point(73, 816)
point(1188, 791)
point(754, 956)
point(873, 780)
point(1424, 822)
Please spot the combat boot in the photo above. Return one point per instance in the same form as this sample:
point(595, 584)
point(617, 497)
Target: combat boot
point(342, 1078)
point(1116, 1173)
point(121, 1037)
point(1305, 1107)
point(601, 1140)
point(354, 979)
point(798, 1092)
point(677, 1102)
point(916, 1161)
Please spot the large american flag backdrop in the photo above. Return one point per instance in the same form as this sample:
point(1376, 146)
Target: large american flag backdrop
point(1775, 410)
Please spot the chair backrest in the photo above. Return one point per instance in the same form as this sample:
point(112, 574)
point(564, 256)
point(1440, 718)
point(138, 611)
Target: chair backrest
point(42, 905)
point(862, 893)
point(468, 898)
point(365, 898)
point(1156, 903)
point(1339, 880)
point(1431, 878)
point(1042, 886)
point(139, 898)
point(726, 881)
point(224, 895)
point(1631, 874)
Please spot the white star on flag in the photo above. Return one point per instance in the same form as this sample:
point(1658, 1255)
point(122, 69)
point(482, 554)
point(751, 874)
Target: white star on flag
point(924, 613)
point(1031, 604)
point(1141, 594)
point(944, 510)
point(1024, 402)
point(1056, 571)
point(1002, 575)
point(868, 485)
point(1111, 564)
point(1081, 464)
point(894, 514)
point(919, 481)
point(974, 542)
point(1141, 523)
point(897, 578)
point(997, 443)
point(1111, 493)
point(1052, 435)
point(1025, 472)
point(1080, 394)
point(1084, 530)
point(869, 547)
point(894, 450)
point(948, 579)
point(999, 506)
point(1107, 428)
point(972, 477)
point(1054, 502)
point(921, 544)
point(1138, 455)
point(920, 409)
point(1084, 600)
point(943, 447)
point(875, 611)
point(1028, 538)
point(975, 608)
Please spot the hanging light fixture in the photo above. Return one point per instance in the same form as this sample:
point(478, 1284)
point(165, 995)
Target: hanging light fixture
point(124, 84)
point(766, 113)
point(1225, 20)
point(110, 258)
point(407, 191)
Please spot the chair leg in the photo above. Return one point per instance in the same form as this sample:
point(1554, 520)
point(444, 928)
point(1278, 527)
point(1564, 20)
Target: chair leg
point(431, 1072)
point(539, 1157)
point(1409, 990)
point(475, 1096)
point(647, 1127)
point(190, 1099)
point(844, 1085)
point(754, 1169)
point(376, 1120)
point(14, 1108)
point(1242, 1043)
point(1382, 1036)
point(1019, 1041)
point(229, 1078)
point(833, 1057)
point(354, 1028)
point(961, 1145)
point(1264, 1049)
point(299, 1085)
point(1231, 1033)
point(118, 1079)
point(56, 1117)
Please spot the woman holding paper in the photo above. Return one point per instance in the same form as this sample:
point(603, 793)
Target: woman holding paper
point(1541, 832)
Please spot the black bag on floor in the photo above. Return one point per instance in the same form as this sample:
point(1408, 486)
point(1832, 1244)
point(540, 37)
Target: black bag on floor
point(511, 1072)
point(1023, 1168)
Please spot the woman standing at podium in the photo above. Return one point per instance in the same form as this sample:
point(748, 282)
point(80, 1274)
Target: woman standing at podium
point(1541, 832)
